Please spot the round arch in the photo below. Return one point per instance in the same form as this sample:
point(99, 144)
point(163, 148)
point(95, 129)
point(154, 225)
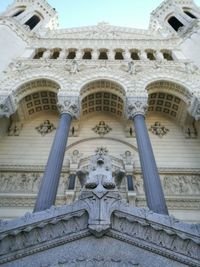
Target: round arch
point(185, 86)
point(121, 78)
point(102, 96)
point(170, 87)
point(34, 86)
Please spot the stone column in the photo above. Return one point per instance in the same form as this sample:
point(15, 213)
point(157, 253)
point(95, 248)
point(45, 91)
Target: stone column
point(48, 189)
point(136, 109)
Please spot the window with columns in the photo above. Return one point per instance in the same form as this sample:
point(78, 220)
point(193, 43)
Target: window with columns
point(39, 53)
point(55, 54)
point(175, 23)
point(150, 54)
point(119, 54)
point(190, 14)
point(32, 22)
point(167, 55)
point(18, 12)
point(134, 55)
point(87, 54)
point(103, 54)
point(72, 54)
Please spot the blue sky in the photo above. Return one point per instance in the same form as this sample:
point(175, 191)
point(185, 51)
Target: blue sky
point(75, 13)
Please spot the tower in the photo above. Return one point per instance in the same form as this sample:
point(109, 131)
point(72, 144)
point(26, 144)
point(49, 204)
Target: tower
point(21, 22)
point(179, 19)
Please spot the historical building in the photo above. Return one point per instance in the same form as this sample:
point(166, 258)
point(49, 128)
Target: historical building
point(100, 139)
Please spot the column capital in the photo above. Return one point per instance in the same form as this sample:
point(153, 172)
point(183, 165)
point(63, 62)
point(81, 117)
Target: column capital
point(69, 105)
point(136, 106)
point(194, 108)
point(7, 105)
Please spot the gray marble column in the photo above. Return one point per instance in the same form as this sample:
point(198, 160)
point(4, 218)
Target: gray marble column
point(136, 109)
point(50, 181)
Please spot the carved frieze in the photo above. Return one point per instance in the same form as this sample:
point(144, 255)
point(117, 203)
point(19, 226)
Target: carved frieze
point(45, 128)
point(158, 129)
point(102, 128)
point(181, 184)
point(26, 182)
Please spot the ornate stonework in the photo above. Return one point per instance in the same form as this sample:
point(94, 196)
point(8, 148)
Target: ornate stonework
point(136, 106)
point(102, 128)
point(45, 127)
point(69, 105)
point(158, 129)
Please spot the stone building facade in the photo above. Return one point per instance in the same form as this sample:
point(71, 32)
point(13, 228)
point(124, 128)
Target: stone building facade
point(89, 89)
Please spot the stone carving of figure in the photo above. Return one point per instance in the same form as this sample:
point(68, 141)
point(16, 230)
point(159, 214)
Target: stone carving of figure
point(138, 183)
point(75, 156)
point(74, 67)
point(100, 172)
point(128, 158)
point(131, 68)
point(14, 129)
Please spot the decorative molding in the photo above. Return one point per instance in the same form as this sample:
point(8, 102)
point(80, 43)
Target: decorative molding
point(158, 129)
point(102, 128)
point(45, 128)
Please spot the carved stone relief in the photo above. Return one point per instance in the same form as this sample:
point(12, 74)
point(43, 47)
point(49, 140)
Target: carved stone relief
point(190, 132)
point(181, 184)
point(75, 157)
point(45, 127)
point(128, 158)
point(186, 185)
point(129, 130)
point(15, 182)
point(158, 129)
point(74, 129)
point(15, 129)
point(102, 128)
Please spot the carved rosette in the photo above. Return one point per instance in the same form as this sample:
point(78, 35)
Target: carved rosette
point(136, 106)
point(70, 105)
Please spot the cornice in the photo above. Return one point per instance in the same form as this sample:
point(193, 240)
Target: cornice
point(27, 168)
point(158, 233)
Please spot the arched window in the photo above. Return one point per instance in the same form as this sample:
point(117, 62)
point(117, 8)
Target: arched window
point(18, 13)
point(87, 54)
point(167, 55)
point(33, 21)
point(55, 54)
point(72, 54)
point(190, 14)
point(103, 54)
point(119, 55)
point(39, 53)
point(134, 55)
point(150, 55)
point(175, 23)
